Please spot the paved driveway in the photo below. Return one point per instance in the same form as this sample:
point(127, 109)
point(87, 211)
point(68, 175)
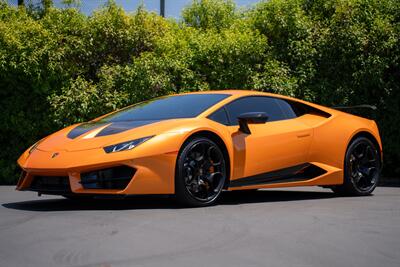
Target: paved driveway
point(288, 227)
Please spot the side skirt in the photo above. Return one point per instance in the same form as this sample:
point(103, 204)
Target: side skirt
point(298, 173)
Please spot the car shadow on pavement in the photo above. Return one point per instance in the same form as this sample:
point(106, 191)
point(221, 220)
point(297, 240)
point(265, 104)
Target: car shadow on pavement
point(261, 196)
point(160, 202)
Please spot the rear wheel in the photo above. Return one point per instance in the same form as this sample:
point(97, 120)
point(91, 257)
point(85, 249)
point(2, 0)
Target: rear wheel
point(361, 168)
point(200, 172)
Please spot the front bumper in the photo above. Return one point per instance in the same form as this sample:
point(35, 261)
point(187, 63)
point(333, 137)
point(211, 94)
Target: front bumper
point(154, 174)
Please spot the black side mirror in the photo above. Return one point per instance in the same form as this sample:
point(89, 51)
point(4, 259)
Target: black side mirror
point(251, 118)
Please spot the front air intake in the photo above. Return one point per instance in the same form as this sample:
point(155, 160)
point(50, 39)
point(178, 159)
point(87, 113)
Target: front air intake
point(110, 178)
point(50, 185)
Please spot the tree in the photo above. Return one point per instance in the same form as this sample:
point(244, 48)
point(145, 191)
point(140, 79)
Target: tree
point(210, 14)
point(46, 5)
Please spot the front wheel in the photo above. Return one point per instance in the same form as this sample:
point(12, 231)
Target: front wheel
point(362, 168)
point(200, 172)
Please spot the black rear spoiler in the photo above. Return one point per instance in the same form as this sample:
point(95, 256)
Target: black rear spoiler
point(359, 110)
point(355, 107)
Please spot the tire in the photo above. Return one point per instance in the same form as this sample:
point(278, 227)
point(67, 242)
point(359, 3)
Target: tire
point(362, 168)
point(200, 173)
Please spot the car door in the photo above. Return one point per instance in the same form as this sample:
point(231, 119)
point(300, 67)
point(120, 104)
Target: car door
point(282, 142)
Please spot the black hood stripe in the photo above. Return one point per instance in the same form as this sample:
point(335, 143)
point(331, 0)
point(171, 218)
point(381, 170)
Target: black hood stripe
point(122, 126)
point(113, 128)
point(84, 128)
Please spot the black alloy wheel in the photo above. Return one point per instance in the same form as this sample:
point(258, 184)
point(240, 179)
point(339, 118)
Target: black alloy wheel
point(362, 168)
point(201, 172)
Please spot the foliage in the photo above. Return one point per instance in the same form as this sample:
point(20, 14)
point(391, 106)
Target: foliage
point(210, 14)
point(60, 67)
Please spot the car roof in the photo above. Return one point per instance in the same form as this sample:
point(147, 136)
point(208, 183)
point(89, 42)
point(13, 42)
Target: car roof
point(232, 92)
point(235, 94)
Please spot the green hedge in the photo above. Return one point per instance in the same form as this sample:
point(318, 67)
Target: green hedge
point(58, 66)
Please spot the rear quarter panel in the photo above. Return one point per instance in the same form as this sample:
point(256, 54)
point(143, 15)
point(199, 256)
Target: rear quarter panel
point(332, 137)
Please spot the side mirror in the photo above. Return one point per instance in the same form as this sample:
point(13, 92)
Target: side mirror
point(251, 118)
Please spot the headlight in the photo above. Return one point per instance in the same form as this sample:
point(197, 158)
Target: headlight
point(128, 145)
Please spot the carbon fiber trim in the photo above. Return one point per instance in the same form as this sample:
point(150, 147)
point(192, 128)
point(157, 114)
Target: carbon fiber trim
point(301, 172)
point(113, 128)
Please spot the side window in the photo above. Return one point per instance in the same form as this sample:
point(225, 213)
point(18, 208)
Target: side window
point(220, 116)
point(268, 105)
point(299, 108)
point(287, 108)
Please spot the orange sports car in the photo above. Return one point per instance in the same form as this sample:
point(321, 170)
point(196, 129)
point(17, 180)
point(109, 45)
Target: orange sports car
point(195, 145)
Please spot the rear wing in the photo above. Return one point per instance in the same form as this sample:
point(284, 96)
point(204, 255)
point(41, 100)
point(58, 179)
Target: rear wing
point(366, 111)
point(356, 107)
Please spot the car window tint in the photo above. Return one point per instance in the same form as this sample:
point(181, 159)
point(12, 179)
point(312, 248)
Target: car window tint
point(220, 116)
point(169, 107)
point(268, 105)
point(299, 108)
point(286, 108)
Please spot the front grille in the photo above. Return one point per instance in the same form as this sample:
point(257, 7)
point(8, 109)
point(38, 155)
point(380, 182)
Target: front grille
point(110, 178)
point(50, 184)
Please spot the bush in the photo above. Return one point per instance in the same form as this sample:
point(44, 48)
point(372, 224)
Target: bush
point(58, 66)
point(210, 14)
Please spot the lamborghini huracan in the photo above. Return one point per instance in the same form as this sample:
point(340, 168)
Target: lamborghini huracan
point(195, 145)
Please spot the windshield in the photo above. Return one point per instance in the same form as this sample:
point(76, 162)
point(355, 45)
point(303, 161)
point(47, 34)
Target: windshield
point(169, 107)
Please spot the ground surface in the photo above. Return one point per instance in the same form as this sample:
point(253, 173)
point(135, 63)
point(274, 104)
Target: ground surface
point(293, 227)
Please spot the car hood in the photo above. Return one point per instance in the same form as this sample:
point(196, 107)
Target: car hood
point(96, 134)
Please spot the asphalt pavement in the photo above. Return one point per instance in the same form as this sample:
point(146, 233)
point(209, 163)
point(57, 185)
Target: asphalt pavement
point(287, 227)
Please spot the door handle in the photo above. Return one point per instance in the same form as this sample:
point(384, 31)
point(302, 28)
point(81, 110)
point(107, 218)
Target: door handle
point(303, 135)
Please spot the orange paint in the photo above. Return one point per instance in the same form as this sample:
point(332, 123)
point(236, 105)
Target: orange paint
point(271, 146)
